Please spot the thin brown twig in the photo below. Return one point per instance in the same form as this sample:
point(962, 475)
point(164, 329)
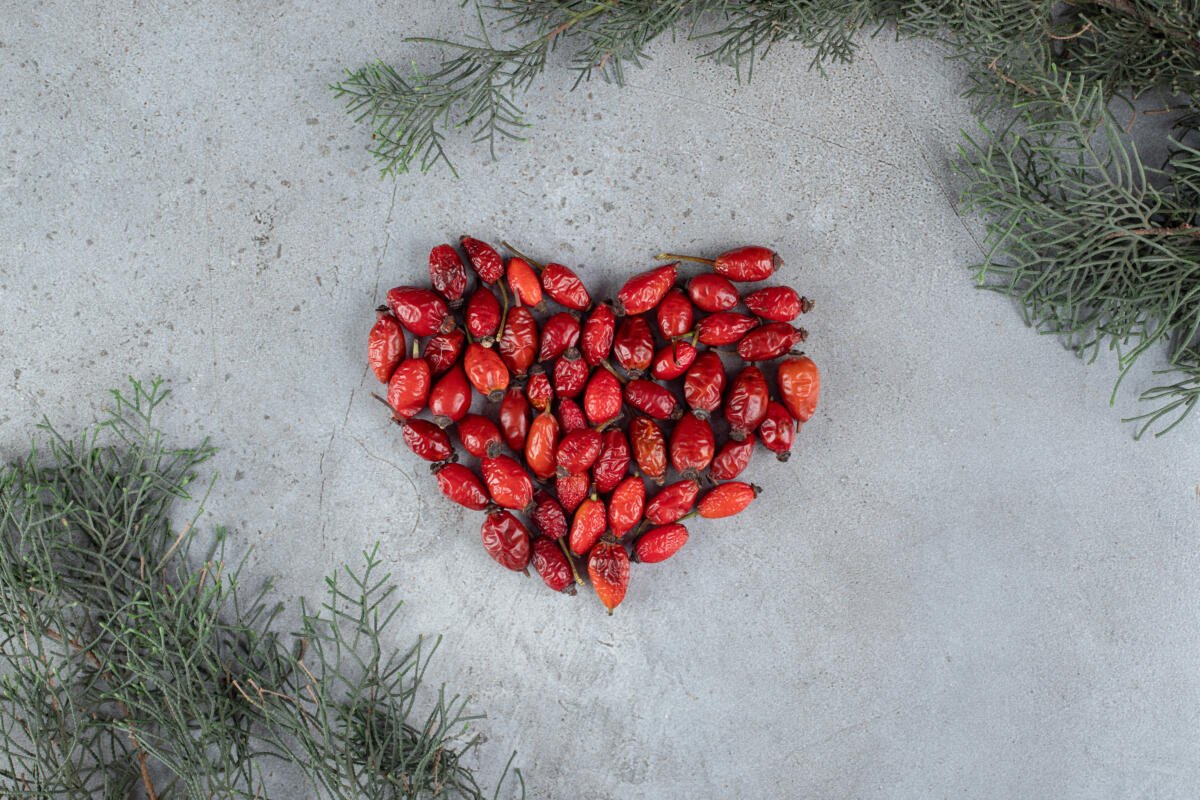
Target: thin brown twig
point(1075, 35)
point(145, 768)
point(992, 66)
point(1180, 230)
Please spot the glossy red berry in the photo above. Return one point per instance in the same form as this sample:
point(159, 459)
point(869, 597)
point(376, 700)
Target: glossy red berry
point(770, 341)
point(570, 374)
point(560, 332)
point(514, 418)
point(672, 360)
point(704, 383)
point(588, 525)
point(450, 397)
point(777, 303)
point(541, 444)
point(518, 342)
point(552, 565)
point(724, 327)
point(672, 502)
point(602, 398)
point(486, 371)
point(578, 451)
point(659, 544)
point(644, 291)
point(385, 345)
point(608, 567)
point(626, 505)
point(421, 311)
point(746, 403)
point(799, 386)
point(484, 259)
point(525, 285)
point(778, 430)
point(596, 338)
point(507, 482)
point(750, 263)
point(483, 316)
point(727, 499)
point(443, 350)
point(633, 345)
point(447, 273)
point(570, 416)
point(675, 314)
point(652, 399)
point(506, 539)
point(692, 445)
point(712, 292)
point(460, 484)
point(427, 440)
point(563, 286)
point(478, 435)
point(408, 389)
point(571, 490)
point(539, 389)
point(649, 448)
point(731, 459)
point(548, 515)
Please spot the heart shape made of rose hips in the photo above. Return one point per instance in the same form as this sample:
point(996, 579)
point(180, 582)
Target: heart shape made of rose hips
point(568, 438)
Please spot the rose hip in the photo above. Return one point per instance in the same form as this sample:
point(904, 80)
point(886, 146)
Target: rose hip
point(672, 360)
point(602, 399)
point(712, 292)
point(564, 287)
point(443, 350)
point(578, 451)
point(626, 505)
point(770, 341)
point(486, 371)
point(570, 374)
point(570, 416)
point(608, 567)
point(422, 311)
point(588, 525)
point(645, 290)
point(777, 303)
point(450, 397)
point(484, 259)
point(746, 405)
point(597, 337)
point(731, 459)
point(548, 515)
point(727, 499)
point(427, 440)
point(652, 399)
point(478, 435)
point(778, 430)
point(724, 327)
point(704, 383)
point(447, 274)
point(507, 482)
point(672, 502)
point(571, 490)
point(385, 345)
point(461, 485)
point(692, 445)
point(408, 389)
point(518, 342)
point(649, 448)
point(613, 461)
point(540, 445)
point(659, 544)
point(633, 345)
point(675, 314)
point(483, 316)
point(560, 332)
point(526, 288)
point(552, 566)
point(514, 418)
point(749, 263)
point(538, 389)
point(799, 385)
point(506, 539)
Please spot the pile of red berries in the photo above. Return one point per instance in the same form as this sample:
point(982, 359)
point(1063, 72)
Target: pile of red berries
point(576, 422)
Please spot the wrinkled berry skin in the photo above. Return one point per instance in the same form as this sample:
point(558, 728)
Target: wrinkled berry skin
point(675, 314)
point(460, 484)
point(385, 346)
point(750, 263)
point(564, 287)
point(578, 451)
point(548, 515)
point(724, 327)
point(486, 371)
point(551, 565)
point(408, 389)
point(602, 398)
point(506, 540)
point(450, 397)
point(692, 445)
point(447, 274)
point(507, 482)
point(649, 448)
point(608, 567)
point(712, 292)
point(645, 290)
point(427, 440)
point(704, 383)
point(538, 389)
point(652, 399)
point(613, 461)
point(540, 445)
point(633, 345)
point(727, 499)
point(769, 341)
point(596, 339)
point(777, 303)
point(443, 350)
point(570, 374)
point(672, 502)
point(672, 360)
point(731, 459)
point(571, 490)
point(659, 544)
point(570, 416)
point(526, 288)
point(483, 316)
point(778, 430)
point(799, 386)
point(514, 417)
point(518, 342)
point(484, 259)
point(560, 332)
point(626, 505)
point(588, 525)
point(746, 404)
point(422, 311)
point(478, 435)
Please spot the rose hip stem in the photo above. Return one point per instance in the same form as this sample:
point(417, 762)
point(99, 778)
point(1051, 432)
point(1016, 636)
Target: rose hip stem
point(570, 561)
point(536, 265)
point(712, 262)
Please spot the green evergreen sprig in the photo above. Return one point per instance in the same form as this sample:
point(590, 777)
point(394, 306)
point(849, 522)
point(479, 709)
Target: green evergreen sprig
point(136, 662)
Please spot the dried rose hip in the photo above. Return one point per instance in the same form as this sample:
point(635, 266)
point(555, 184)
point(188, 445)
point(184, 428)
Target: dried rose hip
point(608, 567)
point(777, 303)
point(712, 292)
point(704, 383)
point(731, 459)
point(541, 444)
point(626, 505)
point(633, 345)
point(588, 525)
point(571, 490)
point(514, 418)
point(652, 399)
point(486, 371)
point(447, 274)
point(552, 566)
point(385, 345)
point(672, 361)
point(526, 288)
point(602, 398)
point(692, 445)
point(749, 263)
point(649, 448)
point(645, 290)
point(422, 311)
point(578, 451)
point(443, 350)
point(675, 314)
point(506, 539)
point(538, 389)
point(672, 502)
point(483, 316)
point(461, 485)
point(770, 341)
point(518, 342)
point(746, 405)
point(724, 327)
point(484, 259)
point(597, 337)
point(778, 430)
point(548, 515)
point(799, 385)
point(727, 499)
point(408, 389)
point(507, 482)
point(564, 287)
point(450, 397)
point(613, 461)
point(570, 416)
point(570, 374)
point(659, 544)
point(479, 435)
point(427, 440)
point(560, 332)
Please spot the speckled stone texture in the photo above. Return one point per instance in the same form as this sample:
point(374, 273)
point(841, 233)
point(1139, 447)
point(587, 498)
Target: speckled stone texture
point(969, 581)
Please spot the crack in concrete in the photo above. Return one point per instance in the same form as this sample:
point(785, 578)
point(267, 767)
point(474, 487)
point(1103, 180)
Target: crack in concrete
point(321, 464)
point(402, 471)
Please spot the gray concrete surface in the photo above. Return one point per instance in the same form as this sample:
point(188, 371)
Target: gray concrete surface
point(969, 581)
